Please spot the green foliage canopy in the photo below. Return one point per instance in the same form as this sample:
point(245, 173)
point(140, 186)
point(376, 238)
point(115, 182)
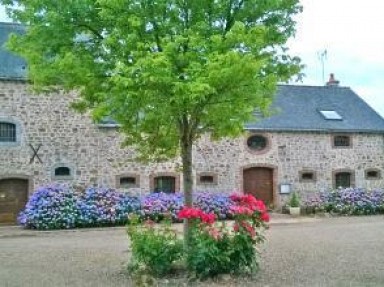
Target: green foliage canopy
point(167, 71)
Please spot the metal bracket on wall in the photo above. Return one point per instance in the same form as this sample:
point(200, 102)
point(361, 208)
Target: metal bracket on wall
point(35, 153)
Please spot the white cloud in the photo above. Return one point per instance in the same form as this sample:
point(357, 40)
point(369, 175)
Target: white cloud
point(3, 15)
point(350, 32)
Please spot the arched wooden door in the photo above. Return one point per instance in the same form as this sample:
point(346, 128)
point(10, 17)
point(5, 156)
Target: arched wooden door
point(258, 181)
point(13, 197)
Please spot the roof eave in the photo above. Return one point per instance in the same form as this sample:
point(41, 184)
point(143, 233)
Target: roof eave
point(370, 131)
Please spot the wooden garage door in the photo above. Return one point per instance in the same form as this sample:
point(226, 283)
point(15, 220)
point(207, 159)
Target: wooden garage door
point(13, 197)
point(258, 181)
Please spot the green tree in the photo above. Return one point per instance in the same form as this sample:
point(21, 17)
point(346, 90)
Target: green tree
point(168, 71)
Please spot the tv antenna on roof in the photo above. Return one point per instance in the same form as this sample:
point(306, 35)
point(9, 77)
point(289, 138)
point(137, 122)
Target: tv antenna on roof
point(322, 56)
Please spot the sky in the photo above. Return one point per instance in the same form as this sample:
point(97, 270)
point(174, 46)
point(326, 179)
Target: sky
point(351, 34)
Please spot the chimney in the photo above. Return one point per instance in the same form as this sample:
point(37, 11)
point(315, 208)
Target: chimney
point(332, 81)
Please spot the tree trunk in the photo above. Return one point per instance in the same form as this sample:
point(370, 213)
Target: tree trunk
point(186, 155)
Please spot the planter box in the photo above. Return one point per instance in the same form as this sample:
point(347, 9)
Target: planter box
point(294, 211)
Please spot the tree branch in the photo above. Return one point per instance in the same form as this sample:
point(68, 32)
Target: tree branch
point(231, 15)
point(94, 31)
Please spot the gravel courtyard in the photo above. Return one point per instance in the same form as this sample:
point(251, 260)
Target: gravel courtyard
point(344, 251)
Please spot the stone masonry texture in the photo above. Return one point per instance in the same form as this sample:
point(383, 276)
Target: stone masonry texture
point(95, 156)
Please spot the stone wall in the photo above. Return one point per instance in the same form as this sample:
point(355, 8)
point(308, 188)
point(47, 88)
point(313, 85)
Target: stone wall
point(95, 156)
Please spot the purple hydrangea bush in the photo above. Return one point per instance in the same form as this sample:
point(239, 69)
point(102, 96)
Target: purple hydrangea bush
point(348, 201)
point(217, 203)
point(156, 206)
point(59, 206)
point(50, 207)
point(105, 207)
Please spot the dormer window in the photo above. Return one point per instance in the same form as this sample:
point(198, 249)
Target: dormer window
point(331, 115)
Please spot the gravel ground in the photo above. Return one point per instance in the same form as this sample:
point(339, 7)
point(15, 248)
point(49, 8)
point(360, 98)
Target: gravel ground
point(344, 251)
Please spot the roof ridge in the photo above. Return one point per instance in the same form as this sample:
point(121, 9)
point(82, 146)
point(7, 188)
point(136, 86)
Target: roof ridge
point(313, 86)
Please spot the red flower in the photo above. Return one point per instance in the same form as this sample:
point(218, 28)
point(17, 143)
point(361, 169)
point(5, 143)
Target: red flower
point(189, 213)
point(208, 218)
point(260, 206)
point(264, 217)
point(196, 213)
point(249, 201)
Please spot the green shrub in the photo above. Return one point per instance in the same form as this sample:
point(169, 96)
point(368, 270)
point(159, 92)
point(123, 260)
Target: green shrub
point(212, 249)
point(294, 200)
point(154, 248)
point(209, 255)
point(218, 249)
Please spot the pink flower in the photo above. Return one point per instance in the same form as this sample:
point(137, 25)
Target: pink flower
point(149, 223)
point(214, 233)
point(249, 228)
point(241, 210)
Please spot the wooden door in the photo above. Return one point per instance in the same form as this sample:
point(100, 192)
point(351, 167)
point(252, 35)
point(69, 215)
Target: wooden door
point(13, 197)
point(258, 181)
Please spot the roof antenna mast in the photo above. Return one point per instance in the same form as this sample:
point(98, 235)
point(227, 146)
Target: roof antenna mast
point(322, 56)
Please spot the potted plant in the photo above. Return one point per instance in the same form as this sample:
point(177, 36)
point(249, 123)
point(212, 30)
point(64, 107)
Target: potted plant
point(294, 204)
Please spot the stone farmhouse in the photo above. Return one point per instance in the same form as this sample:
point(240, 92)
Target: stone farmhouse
point(318, 137)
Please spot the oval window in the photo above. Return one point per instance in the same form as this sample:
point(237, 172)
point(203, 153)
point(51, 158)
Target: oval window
point(257, 142)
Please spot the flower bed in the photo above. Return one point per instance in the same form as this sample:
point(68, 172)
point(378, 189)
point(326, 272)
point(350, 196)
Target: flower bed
point(348, 201)
point(50, 207)
point(213, 248)
point(58, 206)
point(105, 207)
point(156, 206)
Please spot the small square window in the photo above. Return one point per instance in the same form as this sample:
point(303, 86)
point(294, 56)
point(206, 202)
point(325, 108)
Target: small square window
point(7, 132)
point(165, 184)
point(206, 179)
point(307, 176)
point(127, 182)
point(62, 171)
point(341, 141)
point(372, 174)
point(343, 180)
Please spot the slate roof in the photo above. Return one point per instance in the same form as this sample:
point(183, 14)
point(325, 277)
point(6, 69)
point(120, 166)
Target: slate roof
point(297, 108)
point(12, 67)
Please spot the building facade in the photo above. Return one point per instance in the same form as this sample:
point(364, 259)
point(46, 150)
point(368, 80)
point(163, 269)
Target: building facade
point(316, 138)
